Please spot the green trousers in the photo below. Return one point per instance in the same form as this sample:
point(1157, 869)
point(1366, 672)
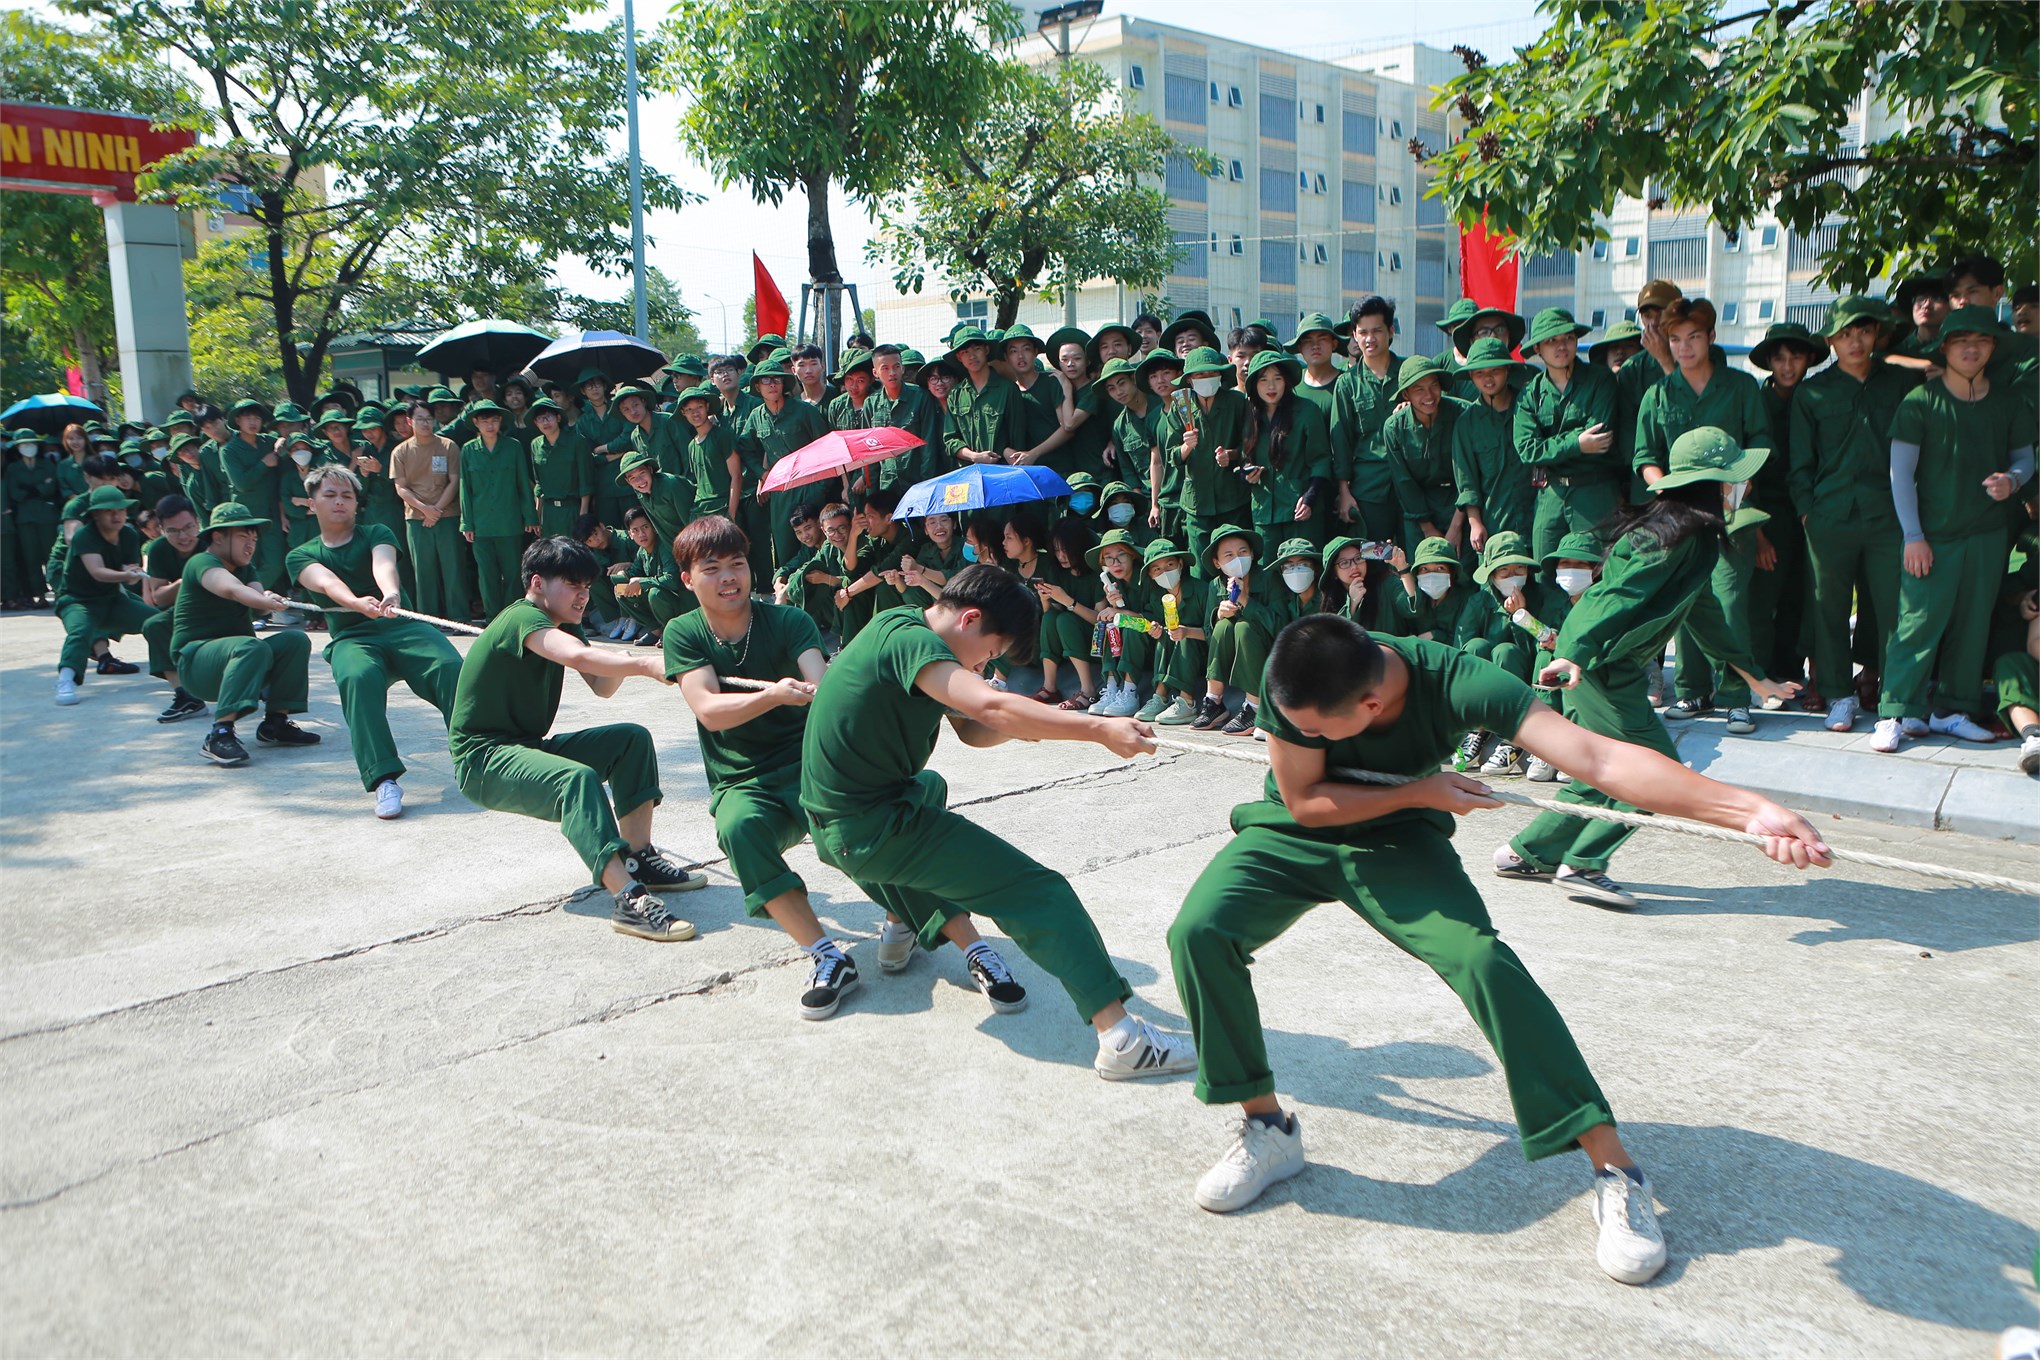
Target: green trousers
point(1181, 665)
point(1199, 529)
point(656, 606)
point(756, 823)
point(1779, 598)
point(556, 519)
point(1613, 701)
point(238, 675)
point(1239, 653)
point(1578, 508)
point(2018, 684)
point(1517, 658)
point(32, 542)
point(1380, 513)
point(436, 554)
point(1512, 511)
point(1064, 636)
point(925, 865)
point(1136, 650)
point(1696, 675)
point(496, 563)
point(87, 621)
point(1849, 562)
point(156, 630)
point(1407, 883)
point(560, 780)
point(1944, 619)
point(366, 664)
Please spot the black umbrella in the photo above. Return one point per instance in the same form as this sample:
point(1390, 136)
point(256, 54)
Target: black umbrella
point(50, 413)
point(497, 345)
point(620, 357)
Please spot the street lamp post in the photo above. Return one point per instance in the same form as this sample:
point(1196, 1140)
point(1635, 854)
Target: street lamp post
point(639, 301)
point(1055, 27)
point(725, 308)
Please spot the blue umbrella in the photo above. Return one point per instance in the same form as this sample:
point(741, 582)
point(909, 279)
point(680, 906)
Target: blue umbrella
point(978, 486)
point(497, 345)
point(620, 357)
point(49, 413)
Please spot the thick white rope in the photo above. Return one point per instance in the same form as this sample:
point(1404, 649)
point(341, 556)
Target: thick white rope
point(467, 628)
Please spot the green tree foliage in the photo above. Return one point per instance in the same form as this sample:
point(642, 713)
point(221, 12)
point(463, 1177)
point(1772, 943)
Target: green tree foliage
point(53, 246)
point(1050, 184)
point(462, 146)
point(805, 96)
point(233, 331)
point(1747, 112)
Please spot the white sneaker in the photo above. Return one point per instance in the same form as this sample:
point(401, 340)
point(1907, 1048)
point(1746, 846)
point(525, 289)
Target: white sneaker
point(1107, 697)
point(2029, 754)
point(1541, 771)
point(389, 800)
point(1632, 1246)
point(67, 689)
point(1147, 1052)
point(1888, 736)
point(2018, 1343)
point(1502, 760)
point(1959, 726)
point(1740, 724)
point(1260, 1156)
point(1842, 713)
point(896, 941)
point(1913, 727)
point(1127, 705)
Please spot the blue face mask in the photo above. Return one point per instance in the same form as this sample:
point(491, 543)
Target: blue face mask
point(1082, 502)
point(969, 553)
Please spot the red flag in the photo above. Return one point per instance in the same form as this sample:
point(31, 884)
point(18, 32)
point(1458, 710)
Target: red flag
point(770, 303)
point(1487, 272)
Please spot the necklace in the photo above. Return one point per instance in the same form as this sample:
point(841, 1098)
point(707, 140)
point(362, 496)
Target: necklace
point(742, 655)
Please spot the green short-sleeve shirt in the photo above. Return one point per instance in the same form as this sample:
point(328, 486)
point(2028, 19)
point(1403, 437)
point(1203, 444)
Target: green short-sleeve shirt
point(1450, 693)
point(163, 561)
point(769, 744)
point(869, 731)
point(86, 541)
point(506, 693)
point(1961, 443)
point(202, 616)
point(354, 563)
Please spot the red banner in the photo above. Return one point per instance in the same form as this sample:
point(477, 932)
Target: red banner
point(770, 303)
point(1487, 272)
point(76, 151)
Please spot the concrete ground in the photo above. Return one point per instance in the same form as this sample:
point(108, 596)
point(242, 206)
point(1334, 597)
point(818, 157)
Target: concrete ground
point(277, 1077)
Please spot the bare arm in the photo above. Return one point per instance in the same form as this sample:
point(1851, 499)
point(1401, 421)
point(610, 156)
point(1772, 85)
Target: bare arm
point(998, 715)
point(95, 567)
point(603, 670)
point(718, 710)
point(1315, 799)
point(228, 586)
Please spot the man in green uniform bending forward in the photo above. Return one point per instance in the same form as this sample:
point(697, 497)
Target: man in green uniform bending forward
point(1339, 699)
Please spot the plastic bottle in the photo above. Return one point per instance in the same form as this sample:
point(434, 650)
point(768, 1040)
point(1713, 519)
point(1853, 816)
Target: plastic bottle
point(1171, 618)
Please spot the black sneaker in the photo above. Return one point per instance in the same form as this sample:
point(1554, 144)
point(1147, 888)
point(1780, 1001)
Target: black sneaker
point(656, 870)
point(1509, 864)
point(1591, 885)
point(1210, 713)
point(1680, 709)
point(183, 704)
point(834, 977)
point(113, 665)
point(1470, 747)
point(222, 747)
point(1242, 722)
point(995, 980)
point(277, 730)
point(639, 913)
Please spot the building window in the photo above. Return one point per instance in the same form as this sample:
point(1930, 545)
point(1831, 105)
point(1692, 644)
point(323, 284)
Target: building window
point(1730, 311)
point(1214, 92)
point(1239, 247)
point(1600, 250)
point(1357, 203)
point(1236, 318)
point(1395, 193)
point(1317, 184)
point(1381, 258)
point(1233, 99)
point(1765, 310)
point(1214, 243)
point(1395, 129)
point(1321, 113)
point(1359, 130)
point(1277, 193)
point(1278, 266)
point(1181, 179)
point(976, 310)
point(1236, 171)
point(1598, 317)
point(1179, 100)
point(1317, 254)
point(1767, 238)
point(1276, 124)
point(1302, 180)
point(1629, 313)
point(1357, 271)
point(1629, 247)
point(1732, 243)
point(1136, 78)
point(1395, 262)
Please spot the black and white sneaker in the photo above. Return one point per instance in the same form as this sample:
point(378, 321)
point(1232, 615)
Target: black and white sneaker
point(833, 978)
point(113, 665)
point(1591, 885)
point(1210, 713)
point(656, 870)
point(1509, 864)
point(994, 979)
point(222, 747)
point(183, 704)
point(277, 730)
point(1680, 709)
point(1136, 1049)
point(639, 913)
point(1469, 754)
point(1241, 724)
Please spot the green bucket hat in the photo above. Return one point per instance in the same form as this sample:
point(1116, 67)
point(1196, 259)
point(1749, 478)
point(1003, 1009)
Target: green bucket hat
point(1489, 352)
point(1436, 552)
point(1190, 320)
point(1112, 489)
point(441, 396)
point(484, 407)
point(1457, 315)
point(912, 358)
point(1332, 551)
point(1063, 335)
point(366, 421)
point(1846, 312)
point(178, 442)
point(1621, 333)
point(589, 375)
point(998, 339)
point(1971, 321)
point(764, 345)
point(636, 459)
point(110, 498)
point(245, 405)
point(1120, 368)
point(1415, 369)
point(1505, 549)
point(1463, 332)
point(1298, 547)
point(289, 413)
point(1581, 545)
point(1274, 358)
point(1161, 550)
point(180, 416)
point(854, 360)
point(1113, 538)
point(1159, 358)
point(1225, 531)
point(1707, 454)
point(963, 337)
point(542, 406)
point(944, 366)
point(1131, 336)
point(688, 366)
point(1204, 359)
point(338, 416)
point(1785, 333)
point(23, 436)
point(1551, 323)
point(301, 438)
point(230, 515)
point(699, 392)
point(773, 369)
point(635, 390)
point(1082, 481)
point(1312, 321)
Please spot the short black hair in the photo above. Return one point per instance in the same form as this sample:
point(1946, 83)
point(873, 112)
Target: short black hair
point(1374, 304)
point(1075, 537)
point(861, 340)
point(726, 361)
point(634, 514)
point(559, 558)
point(1977, 269)
point(1252, 339)
point(2027, 296)
point(887, 498)
point(808, 352)
point(173, 505)
point(1146, 318)
point(1322, 662)
point(885, 349)
point(1010, 607)
point(100, 466)
point(801, 515)
point(585, 525)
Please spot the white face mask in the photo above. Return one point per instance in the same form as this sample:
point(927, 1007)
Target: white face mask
point(31, 450)
point(1120, 515)
point(1732, 494)
point(1298, 579)
point(1204, 387)
point(1167, 577)
point(302, 457)
point(1434, 583)
point(1510, 584)
point(1237, 566)
point(1575, 580)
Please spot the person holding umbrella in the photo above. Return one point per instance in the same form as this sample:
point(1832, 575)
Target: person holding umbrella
point(496, 504)
point(776, 427)
point(608, 439)
point(30, 487)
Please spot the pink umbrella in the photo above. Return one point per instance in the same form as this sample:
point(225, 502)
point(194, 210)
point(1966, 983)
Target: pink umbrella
point(838, 452)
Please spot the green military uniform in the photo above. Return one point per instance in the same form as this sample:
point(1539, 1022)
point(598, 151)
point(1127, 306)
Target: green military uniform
point(1085, 449)
point(920, 415)
point(1401, 875)
point(817, 602)
point(708, 468)
point(1716, 637)
point(1408, 614)
point(495, 506)
point(368, 655)
point(1580, 489)
point(91, 609)
point(219, 658)
point(995, 417)
point(503, 708)
point(1305, 457)
point(1420, 457)
point(876, 813)
point(602, 601)
point(874, 556)
point(1361, 402)
point(30, 489)
point(1778, 597)
point(1211, 495)
point(669, 503)
point(257, 484)
point(1236, 649)
point(1484, 628)
point(1180, 666)
point(1732, 402)
point(163, 563)
point(562, 475)
point(1486, 473)
point(70, 477)
point(663, 597)
point(298, 521)
point(1136, 647)
point(763, 439)
point(753, 769)
point(605, 430)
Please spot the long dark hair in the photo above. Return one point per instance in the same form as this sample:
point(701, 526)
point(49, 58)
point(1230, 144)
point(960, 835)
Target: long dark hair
point(1669, 518)
point(1277, 423)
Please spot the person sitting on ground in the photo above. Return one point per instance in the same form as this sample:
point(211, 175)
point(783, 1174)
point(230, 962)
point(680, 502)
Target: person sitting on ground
point(1124, 650)
point(1241, 619)
point(648, 589)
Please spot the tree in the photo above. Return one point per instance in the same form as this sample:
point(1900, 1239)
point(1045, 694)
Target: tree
point(1051, 184)
point(466, 145)
point(1748, 113)
point(53, 246)
point(233, 332)
point(806, 96)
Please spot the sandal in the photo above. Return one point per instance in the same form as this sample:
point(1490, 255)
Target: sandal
point(1081, 702)
point(1045, 695)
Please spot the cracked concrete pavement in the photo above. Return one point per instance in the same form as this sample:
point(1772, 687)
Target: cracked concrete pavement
point(279, 1077)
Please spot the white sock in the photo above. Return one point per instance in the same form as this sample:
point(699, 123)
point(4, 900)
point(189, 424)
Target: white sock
point(1121, 1035)
point(822, 948)
point(66, 673)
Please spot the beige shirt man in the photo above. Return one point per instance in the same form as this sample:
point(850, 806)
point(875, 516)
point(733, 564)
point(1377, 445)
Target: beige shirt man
point(426, 470)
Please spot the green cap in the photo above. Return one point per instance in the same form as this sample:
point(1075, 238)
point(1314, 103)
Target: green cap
point(773, 368)
point(1488, 352)
point(1415, 369)
point(699, 392)
point(1113, 538)
point(178, 442)
point(963, 336)
point(1621, 333)
point(635, 390)
point(337, 416)
point(1971, 321)
point(854, 360)
point(1064, 335)
point(1204, 359)
point(1119, 368)
point(764, 345)
point(1082, 481)
point(688, 366)
point(230, 515)
point(1224, 531)
point(1707, 454)
point(1298, 547)
point(998, 339)
point(1553, 322)
point(1161, 550)
point(1581, 545)
point(484, 407)
point(245, 405)
point(1313, 321)
point(1786, 333)
point(589, 375)
point(636, 459)
point(542, 406)
point(301, 438)
point(1111, 489)
point(1192, 319)
point(1436, 552)
point(912, 358)
point(1159, 358)
point(180, 416)
point(1274, 358)
point(441, 396)
point(111, 498)
point(289, 413)
point(1131, 335)
point(1846, 312)
point(1463, 332)
point(1457, 315)
point(1505, 549)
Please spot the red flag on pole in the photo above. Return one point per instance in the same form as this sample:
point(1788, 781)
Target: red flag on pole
point(1487, 272)
point(770, 304)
